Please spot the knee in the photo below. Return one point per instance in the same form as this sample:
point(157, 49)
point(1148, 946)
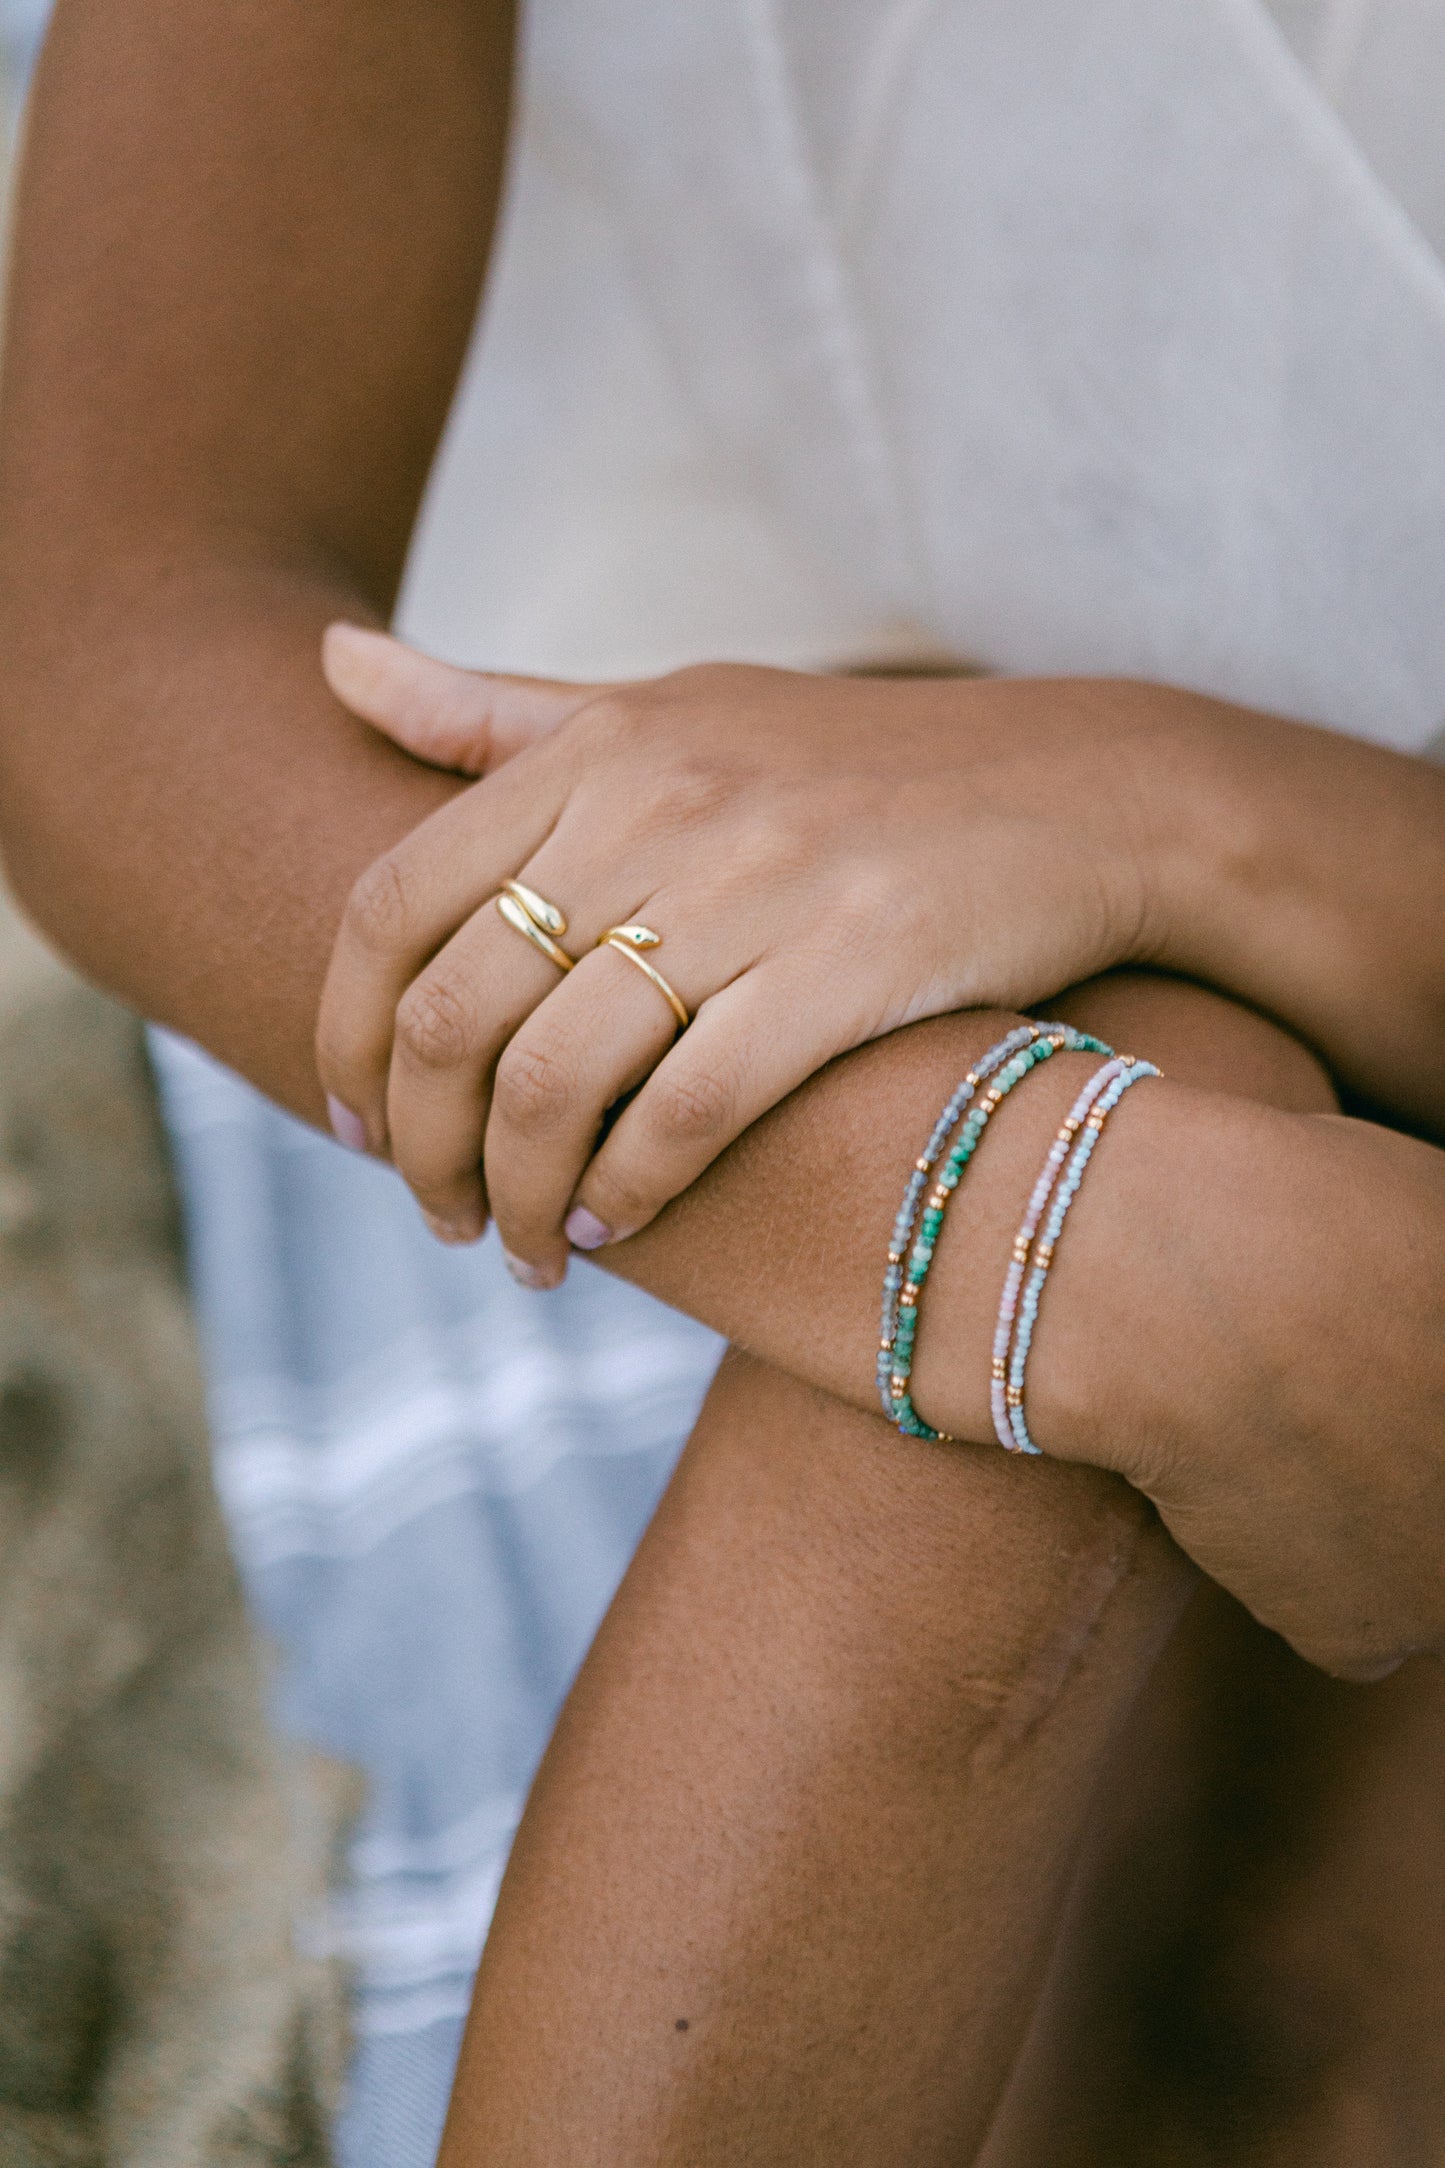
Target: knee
point(984, 1585)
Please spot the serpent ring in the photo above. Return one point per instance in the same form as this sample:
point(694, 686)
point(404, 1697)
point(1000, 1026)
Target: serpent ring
point(539, 911)
point(630, 941)
point(516, 904)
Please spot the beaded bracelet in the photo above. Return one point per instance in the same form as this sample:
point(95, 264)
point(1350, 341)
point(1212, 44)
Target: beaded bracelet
point(1043, 1255)
point(895, 1365)
point(1043, 1190)
point(904, 1225)
point(906, 1218)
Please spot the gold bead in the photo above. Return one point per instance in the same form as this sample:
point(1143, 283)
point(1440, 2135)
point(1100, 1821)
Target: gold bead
point(1000, 1368)
point(1015, 1396)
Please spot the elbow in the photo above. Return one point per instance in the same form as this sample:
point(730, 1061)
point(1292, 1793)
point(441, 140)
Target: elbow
point(46, 842)
point(26, 841)
point(28, 888)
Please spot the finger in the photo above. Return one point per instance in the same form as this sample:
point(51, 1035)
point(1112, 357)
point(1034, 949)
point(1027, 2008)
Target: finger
point(748, 1047)
point(452, 1024)
point(468, 1000)
point(594, 1038)
point(402, 911)
point(469, 720)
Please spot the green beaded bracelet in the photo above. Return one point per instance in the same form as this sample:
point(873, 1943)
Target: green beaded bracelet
point(1013, 1072)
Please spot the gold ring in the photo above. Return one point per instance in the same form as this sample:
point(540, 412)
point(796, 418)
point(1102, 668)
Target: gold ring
point(539, 911)
point(515, 915)
point(636, 936)
point(629, 941)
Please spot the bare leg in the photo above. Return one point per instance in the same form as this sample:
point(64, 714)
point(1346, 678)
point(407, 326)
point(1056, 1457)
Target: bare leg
point(1252, 1974)
point(788, 1880)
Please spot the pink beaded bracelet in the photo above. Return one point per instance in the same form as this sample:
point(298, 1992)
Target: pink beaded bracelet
point(1023, 1241)
point(1054, 1192)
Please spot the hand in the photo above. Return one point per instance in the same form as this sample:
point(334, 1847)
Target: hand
point(824, 858)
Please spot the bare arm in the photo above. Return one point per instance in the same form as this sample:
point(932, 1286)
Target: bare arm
point(248, 249)
point(1243, 1319)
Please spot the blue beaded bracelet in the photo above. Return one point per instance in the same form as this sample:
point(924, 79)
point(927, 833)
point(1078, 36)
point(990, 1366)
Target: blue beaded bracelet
point(1043, 1252)
point(1012, 1060)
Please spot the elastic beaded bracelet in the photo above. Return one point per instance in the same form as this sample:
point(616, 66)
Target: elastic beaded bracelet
point(1047, 1041)
point(907, 1215)
point(904, 1224)
point(1043, 1189)
point(1043, 1255)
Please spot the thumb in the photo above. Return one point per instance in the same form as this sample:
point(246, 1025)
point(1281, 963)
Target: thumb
point(468, 720)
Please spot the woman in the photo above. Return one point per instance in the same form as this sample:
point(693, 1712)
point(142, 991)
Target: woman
point(1034, 337)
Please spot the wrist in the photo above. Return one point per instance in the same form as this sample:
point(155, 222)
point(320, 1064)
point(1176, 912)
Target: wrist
point(1103, 1366)
point(1142, 1339)
point(1201, 837)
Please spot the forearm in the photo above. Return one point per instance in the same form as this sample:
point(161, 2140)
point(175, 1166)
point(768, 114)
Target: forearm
point(195, 850)
point(780, 1245)
point(247, 252)
point(1242, 1318)
point(1304, 871)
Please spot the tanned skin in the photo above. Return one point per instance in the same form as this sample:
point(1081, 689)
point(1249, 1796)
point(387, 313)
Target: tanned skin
point(249, 247)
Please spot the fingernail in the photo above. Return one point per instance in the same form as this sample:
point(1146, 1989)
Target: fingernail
point(451, 1230)
point(527, 1275)
point(584, 1230)
point(348, 1128)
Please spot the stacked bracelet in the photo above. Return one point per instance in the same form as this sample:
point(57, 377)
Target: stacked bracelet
point(905, 1223)
point(1009, 1368)
point(1012, 1059)
point(1042, 1191)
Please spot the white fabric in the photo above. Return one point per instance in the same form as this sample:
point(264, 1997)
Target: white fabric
point(1068, 334)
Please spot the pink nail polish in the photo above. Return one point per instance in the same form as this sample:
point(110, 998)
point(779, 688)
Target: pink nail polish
point(527, 1275)
point(584, 1230)
point(348, 1128)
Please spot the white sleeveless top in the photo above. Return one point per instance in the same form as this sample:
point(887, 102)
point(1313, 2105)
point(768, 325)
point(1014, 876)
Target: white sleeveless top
point(1068, 335)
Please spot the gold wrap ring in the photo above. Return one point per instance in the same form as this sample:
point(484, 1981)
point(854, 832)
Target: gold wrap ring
point(629, 941)
point(535, 919)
